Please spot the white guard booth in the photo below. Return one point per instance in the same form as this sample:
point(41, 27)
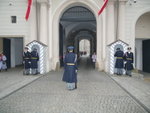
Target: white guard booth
point(42, 51)
point(111, 51)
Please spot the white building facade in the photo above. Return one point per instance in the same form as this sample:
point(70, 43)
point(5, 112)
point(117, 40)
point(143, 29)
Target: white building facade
point(121, 20)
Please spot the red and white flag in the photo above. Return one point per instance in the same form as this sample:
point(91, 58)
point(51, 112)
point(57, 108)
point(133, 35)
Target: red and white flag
point(103, 7)
point(28, 9)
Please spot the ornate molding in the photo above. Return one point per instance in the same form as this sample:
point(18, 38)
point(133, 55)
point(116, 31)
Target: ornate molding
point(43, 1)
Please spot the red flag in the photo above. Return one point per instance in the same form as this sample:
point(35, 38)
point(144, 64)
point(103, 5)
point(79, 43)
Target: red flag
point(103, 7)
point(28, 9)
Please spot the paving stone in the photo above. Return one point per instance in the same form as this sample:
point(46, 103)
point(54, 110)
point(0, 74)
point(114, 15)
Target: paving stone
point(96, 93)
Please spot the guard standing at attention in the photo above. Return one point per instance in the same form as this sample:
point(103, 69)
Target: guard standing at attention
point(70, 69)
point(128, 57)
point(34, 61)
point(119, 61)
point(26, 61)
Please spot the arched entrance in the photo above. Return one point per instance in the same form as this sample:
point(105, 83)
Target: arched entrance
point(76, 23)
point(55, 26)
point(84, 47)
point(142, 43)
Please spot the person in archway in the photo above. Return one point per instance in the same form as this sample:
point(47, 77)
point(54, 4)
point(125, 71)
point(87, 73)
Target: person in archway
point(4, 66)
point(128, 57)
point(26, 61)
point(1, 62)
point(119, 61)
point(94, 57)
point(70, 69)
point(34, 61)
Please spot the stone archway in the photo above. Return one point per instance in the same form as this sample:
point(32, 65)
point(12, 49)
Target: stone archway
point(142, 42)
point(55, 30)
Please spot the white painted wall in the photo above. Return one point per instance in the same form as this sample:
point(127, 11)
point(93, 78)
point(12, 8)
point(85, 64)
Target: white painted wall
point(13, 59)
point(17, 8)
point(16, 51)
point(139, 54)
point(133, 12)
point(1, 45)
point(143, 26)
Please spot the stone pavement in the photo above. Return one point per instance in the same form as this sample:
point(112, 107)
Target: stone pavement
point(96, 93)
point(13, 80)
point(138, 88)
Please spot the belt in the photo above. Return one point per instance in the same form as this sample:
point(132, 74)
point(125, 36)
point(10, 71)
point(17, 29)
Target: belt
point(26, 58)
point(119, 58)
point(70, 64)
point(34, 58)
point(129, 58)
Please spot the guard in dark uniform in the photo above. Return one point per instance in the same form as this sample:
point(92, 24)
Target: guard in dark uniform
point(26, 61)
point(128, 57)
point(70, 69)
point(119, 61)
point(34, 61)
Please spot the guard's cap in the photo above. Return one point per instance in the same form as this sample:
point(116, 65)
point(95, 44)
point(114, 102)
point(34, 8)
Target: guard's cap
point(70, 47)
point(26, 48)
point(129, 48)
point(118, 49)
point(35, 49)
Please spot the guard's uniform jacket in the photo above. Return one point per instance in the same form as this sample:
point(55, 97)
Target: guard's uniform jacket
point(70, 74)
point(119, 59)
point(128, 57)
point(27, 59)
point(34, 60)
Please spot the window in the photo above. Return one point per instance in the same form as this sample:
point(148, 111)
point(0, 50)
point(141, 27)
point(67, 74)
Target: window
point(13, 19)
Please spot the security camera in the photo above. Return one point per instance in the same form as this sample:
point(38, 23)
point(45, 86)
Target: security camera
point(134, 1)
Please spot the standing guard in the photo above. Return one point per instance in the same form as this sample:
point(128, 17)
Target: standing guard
point(70, 69)
point(34, 61)
point(26, 61)
point(128, 56)
point(119, 61)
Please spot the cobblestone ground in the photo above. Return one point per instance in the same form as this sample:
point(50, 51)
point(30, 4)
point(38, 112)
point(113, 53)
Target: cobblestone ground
point(96, 93)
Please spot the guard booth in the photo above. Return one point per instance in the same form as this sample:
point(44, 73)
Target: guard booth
point(42, 51)
point(111, 49)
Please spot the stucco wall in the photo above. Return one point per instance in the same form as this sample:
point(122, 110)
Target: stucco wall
point(1, 45)
point(139, 54)
point(10, 8)
point(56, 3)
point(143, 27)
point(133, 12)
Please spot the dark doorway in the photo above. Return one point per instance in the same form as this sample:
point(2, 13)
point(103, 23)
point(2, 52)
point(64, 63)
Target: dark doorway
point(61, 38)
point(146, 56)
point(7, 50)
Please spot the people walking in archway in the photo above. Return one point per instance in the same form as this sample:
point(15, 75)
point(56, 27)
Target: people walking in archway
point(4, 64)
point(128, 56)
point(119, 61)
point(70, 69)
point(94, 57)
point(1, 62)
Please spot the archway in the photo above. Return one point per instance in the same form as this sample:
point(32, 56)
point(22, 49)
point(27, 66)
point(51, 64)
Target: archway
point(142, 42)
point(85, 47)
point(54, 33)
point(76, 23)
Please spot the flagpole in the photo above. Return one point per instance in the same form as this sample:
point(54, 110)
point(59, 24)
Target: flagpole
point(37, 25)
point(117, 23)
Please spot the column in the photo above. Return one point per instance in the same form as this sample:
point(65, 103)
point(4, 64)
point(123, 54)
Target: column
point(99, 48)
point(33, 23)
point(43, 23)
point(110, 29)
point(121, 21)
